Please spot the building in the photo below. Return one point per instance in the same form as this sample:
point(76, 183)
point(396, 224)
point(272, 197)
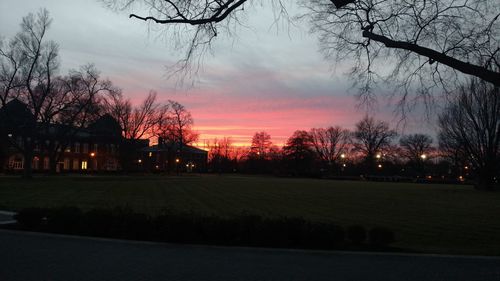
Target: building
point(99, 147)
point(173, 158)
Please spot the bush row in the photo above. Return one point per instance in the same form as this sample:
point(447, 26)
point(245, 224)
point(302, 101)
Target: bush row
point(242, 230)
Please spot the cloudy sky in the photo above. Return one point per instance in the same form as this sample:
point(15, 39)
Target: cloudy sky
point(268, 77)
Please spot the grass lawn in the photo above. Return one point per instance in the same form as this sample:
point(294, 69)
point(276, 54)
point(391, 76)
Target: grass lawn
point(453, 219)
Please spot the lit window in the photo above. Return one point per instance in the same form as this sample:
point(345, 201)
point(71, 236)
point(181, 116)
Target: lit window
point(84, 165)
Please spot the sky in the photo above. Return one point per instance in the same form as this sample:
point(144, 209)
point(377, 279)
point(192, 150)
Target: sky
point(266, 78)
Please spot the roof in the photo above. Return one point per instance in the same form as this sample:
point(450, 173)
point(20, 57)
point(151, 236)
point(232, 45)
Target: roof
point(185, 149)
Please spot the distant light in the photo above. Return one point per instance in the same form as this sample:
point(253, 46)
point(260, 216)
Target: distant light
point(466, 167)
point(380, 165)
point(423, 156)
point(9, 135)
point(378, 156)
point(92, 154)
point(177, 160)
point(157, 166)
point(150, 154)
point(343, 165)
point(342, 155)
point(139, 161)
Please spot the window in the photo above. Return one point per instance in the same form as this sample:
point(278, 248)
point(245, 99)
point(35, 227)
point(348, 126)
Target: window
point(96, 147)
point(84, 165)
point(76, 164)
point(46, 163)
point(66, 164)
point(77, 147)
point(16, 163)
point(112, 147)
point(85, 148)
point(36, 163)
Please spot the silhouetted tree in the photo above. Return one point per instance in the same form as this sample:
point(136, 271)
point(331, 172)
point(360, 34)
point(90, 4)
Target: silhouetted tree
point(470, 126)
point(426, 42)
point(259, 155)
point(298, 153)
point(417, 44)
point(330, 143)
point(73, 104)
point(31, 67)
point(416, 149)
point(261, 145)
point(221, 155)
point(137, 122)
point(175, 127)
point(371, 137)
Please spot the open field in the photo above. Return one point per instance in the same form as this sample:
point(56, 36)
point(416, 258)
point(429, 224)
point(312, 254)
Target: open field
point(427, 218)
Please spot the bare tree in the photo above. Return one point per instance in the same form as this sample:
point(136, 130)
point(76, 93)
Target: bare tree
point(371, 137)
point(261, 145)
point(29, 66)
point(73, 104)
point(470, 126)
point(427, 43)
point(136, 122)
point(221, 155)
point(11, 61)
point(298, 153)
point(176, 126)
point(330, 143)
point(416, 147)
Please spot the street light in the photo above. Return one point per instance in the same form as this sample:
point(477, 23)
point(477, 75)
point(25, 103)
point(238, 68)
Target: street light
point(92, 154)
point(423, 156)
point(378, 156)
point(177, 160)
point(342, 155)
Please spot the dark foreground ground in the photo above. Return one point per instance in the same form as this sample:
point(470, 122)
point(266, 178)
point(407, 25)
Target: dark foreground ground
point(32, 256)
point(427, 218)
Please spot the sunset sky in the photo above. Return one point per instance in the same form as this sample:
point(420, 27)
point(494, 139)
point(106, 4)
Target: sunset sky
point(269, 78)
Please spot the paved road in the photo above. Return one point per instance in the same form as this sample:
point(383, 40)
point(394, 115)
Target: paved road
point(7, 217)
point(27, 256)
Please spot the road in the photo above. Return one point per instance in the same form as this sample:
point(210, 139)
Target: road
point(44, 257)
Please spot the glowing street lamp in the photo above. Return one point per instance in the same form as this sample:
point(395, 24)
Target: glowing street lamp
point(177, 160)
point(378, 156)
point(380, 166)
point(423, 156)
point(342, 155)
point(92, 154)
point(139, 161)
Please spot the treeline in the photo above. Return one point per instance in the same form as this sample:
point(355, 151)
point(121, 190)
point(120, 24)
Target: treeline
point(467, 148)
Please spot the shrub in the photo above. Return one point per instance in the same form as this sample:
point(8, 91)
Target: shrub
point(381, 236)
point(98, 222)
point(356, 234)
point(31, 218)
point(64, 219)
